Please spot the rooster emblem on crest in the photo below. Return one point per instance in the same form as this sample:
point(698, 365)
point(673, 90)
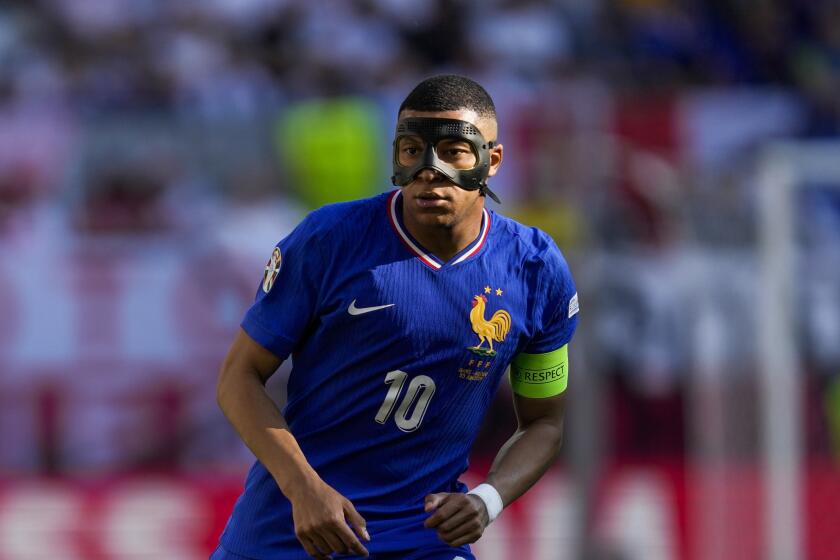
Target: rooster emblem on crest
point(495, 329)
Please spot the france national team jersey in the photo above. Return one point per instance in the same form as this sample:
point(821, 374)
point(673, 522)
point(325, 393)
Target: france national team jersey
point(396, 358)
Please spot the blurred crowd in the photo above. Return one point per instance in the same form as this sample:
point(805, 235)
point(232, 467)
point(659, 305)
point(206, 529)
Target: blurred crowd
point(678, 90)
point(237, 56)
point(152, 152)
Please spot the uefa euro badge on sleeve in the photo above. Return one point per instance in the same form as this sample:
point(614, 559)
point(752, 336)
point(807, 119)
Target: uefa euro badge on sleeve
point(574, 306)
point(272, 269)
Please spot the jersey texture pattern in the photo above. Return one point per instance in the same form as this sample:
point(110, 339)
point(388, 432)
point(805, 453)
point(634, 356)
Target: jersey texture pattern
point(396, 358)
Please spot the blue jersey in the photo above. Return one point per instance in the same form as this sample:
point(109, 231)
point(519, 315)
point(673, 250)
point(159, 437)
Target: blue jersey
point(396, 358)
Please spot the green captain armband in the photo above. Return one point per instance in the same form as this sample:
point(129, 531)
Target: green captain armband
point(538, 376)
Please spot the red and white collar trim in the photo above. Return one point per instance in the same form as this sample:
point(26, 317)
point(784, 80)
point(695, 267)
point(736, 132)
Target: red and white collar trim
point(425, 257)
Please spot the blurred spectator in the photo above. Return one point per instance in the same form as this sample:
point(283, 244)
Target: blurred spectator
point(331, 148)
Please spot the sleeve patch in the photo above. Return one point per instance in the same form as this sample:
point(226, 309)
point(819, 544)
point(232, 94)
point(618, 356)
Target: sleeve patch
point(540, 375)
point(573, 306)
point(272, 269)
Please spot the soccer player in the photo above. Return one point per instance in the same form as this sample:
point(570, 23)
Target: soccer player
point(402, 313)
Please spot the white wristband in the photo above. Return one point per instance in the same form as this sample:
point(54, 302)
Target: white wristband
point(490, 497)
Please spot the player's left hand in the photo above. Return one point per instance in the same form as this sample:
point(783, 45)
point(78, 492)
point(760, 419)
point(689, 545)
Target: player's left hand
point(459, 518)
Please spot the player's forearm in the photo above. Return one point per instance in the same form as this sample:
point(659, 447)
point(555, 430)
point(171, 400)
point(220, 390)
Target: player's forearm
point(525, 457)
point(258, 422)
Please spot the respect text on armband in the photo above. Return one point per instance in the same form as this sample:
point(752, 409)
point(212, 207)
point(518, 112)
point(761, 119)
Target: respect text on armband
point(538, 377)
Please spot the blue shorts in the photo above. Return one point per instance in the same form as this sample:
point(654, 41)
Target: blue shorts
point(437, 553)
point(442, 552)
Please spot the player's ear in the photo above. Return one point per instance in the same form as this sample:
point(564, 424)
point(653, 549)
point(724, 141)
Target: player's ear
point(496, 155)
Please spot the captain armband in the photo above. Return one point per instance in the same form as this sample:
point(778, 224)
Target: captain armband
point(539, 376)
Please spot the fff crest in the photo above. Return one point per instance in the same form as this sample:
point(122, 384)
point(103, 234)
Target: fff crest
point(494, 329)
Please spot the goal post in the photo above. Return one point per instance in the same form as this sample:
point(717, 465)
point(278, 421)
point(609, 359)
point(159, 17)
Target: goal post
point(784, 168)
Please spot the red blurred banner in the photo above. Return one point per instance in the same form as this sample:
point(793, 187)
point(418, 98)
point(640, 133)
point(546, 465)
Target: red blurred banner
point(640, 512)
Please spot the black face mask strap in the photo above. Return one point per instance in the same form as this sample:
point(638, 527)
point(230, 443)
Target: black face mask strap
point(485, 190)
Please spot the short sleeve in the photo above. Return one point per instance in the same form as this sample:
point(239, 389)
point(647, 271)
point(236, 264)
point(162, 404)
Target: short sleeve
point(556, 314)
point(287, 296)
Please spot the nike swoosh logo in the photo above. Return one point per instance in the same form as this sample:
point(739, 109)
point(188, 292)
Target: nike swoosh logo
point(353, 310)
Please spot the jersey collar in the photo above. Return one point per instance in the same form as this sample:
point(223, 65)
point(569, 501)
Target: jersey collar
point(395, 217)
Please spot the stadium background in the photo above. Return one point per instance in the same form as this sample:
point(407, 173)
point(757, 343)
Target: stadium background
point(152, 152)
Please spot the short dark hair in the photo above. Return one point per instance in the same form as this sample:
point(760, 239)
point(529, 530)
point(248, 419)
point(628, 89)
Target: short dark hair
point(449, 92)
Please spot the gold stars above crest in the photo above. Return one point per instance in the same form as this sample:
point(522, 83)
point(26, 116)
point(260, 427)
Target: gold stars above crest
point(488, 289)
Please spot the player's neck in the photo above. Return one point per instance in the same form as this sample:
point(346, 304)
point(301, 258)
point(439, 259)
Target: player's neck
point(445, 242)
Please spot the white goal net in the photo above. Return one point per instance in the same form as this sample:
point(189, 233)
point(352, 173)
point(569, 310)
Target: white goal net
point(785, 169)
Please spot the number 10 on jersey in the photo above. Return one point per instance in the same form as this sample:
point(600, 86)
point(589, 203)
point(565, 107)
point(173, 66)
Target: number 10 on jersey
point(413, 406)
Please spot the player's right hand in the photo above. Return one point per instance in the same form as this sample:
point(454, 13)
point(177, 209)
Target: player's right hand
point(322, 516)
